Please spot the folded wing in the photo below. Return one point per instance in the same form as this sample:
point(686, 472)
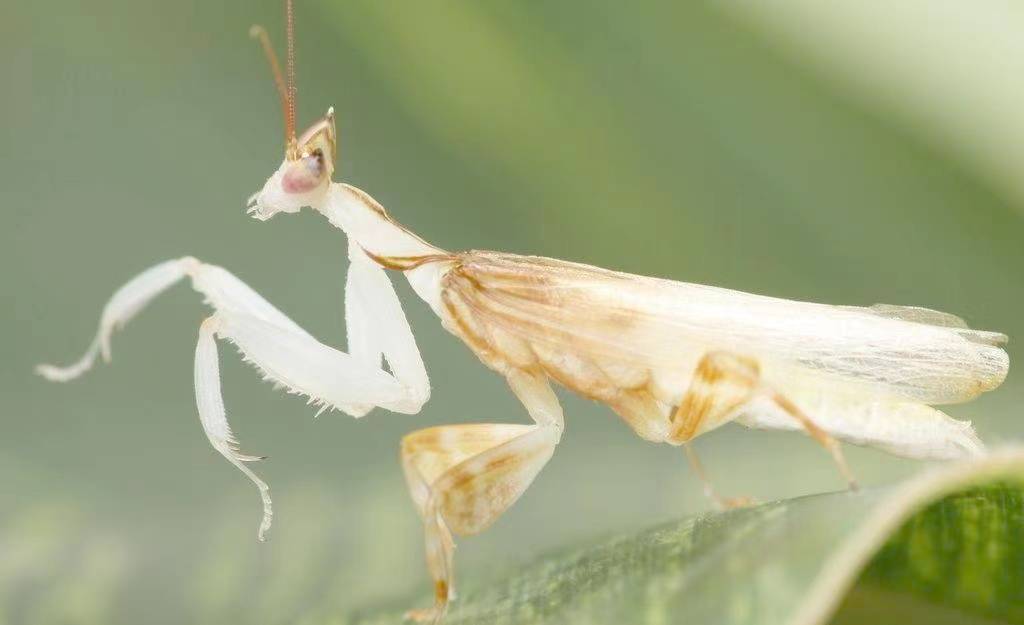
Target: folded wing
point(903, 353)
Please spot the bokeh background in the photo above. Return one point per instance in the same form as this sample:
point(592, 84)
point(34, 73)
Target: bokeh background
point(848, 153)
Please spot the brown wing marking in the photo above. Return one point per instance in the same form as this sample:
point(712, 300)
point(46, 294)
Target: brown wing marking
point(884, 351)
point(500, 343)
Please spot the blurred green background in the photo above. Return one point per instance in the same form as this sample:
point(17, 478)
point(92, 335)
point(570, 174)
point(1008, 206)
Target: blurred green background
point(783, 150)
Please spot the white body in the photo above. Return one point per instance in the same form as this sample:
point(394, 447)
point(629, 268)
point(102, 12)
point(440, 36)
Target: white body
point(674, 360)
point(868, 375)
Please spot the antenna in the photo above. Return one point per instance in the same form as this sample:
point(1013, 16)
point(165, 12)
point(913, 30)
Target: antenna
point(290, 113)
point(285, 88)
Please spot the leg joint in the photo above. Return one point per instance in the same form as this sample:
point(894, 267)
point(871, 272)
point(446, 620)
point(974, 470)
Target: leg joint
point(722, 382)
point(191, 265)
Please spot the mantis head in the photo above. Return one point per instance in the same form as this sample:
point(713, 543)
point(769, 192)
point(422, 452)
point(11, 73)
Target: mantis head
point(305, 174)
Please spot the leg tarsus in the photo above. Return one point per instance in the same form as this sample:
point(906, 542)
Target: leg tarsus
point(434, 614)
point(264, 489)
point(213, 417)
point(55, 373)
point(721, 503)
point(440, 549)
point(124, 304)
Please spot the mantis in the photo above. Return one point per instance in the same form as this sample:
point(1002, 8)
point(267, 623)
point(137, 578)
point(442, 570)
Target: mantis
point(673, 360)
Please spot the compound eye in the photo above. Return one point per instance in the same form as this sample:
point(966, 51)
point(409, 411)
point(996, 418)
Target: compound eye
point(305, 174)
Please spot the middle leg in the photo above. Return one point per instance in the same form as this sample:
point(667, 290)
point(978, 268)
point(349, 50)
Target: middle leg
point(463, 477)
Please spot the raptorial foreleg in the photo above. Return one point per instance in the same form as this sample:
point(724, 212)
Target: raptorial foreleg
point(210, 405)
point(277, 346)
point(376, 326)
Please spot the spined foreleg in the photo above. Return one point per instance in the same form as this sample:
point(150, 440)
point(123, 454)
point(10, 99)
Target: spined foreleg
point(280, 349)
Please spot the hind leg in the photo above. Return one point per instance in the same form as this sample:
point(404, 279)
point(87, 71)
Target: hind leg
point(723, 384)
point(823, 438)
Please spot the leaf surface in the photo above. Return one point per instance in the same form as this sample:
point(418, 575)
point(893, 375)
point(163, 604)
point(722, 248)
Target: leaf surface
point(948, 544)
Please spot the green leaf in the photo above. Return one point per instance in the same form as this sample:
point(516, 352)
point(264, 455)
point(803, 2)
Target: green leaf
point(948, 544)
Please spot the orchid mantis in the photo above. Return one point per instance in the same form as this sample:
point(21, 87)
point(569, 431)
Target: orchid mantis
point(674, 360)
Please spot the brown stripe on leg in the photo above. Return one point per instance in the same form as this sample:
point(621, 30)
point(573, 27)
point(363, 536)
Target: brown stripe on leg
point(429, 453)
point(720, 385)
point(473, 494)
point(463, 477)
